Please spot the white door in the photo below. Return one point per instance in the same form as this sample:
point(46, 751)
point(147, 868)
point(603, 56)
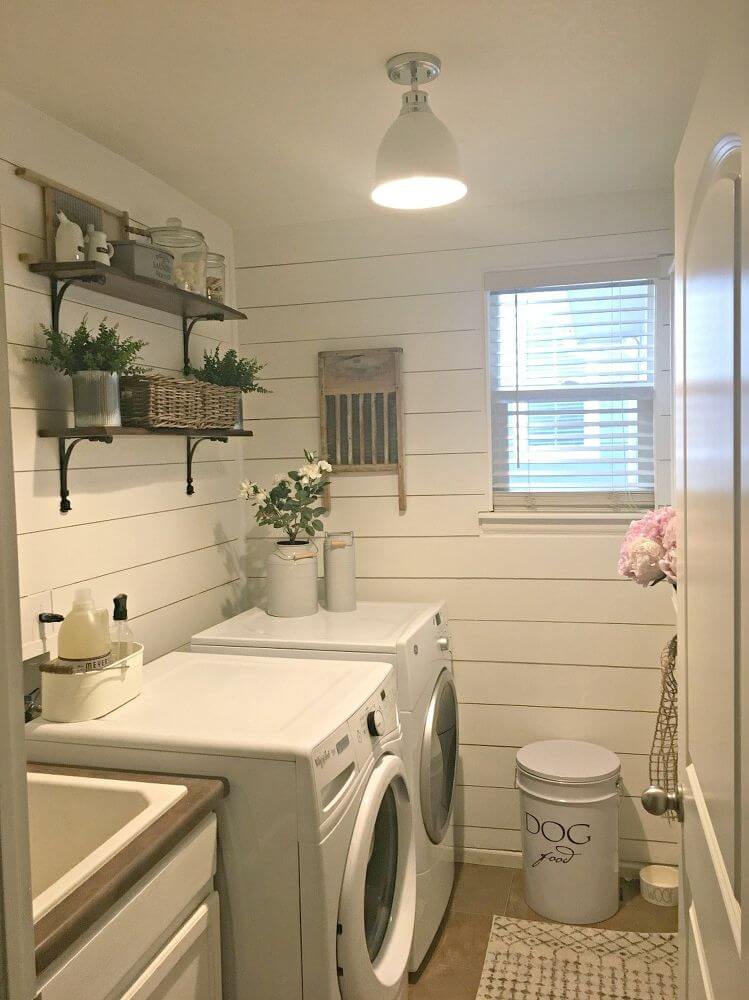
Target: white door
point(712, 459)
point(378, 894)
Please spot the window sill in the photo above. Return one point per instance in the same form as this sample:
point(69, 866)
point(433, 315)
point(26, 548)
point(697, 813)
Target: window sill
point(551, 522)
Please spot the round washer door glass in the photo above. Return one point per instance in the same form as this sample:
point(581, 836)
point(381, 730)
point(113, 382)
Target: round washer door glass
point(378, 893)
point(382, 871)
point(439, 756)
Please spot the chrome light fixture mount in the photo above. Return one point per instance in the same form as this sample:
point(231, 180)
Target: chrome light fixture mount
point(418, 165)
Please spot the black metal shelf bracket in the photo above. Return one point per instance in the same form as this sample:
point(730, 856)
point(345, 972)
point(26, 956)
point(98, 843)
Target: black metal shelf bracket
point(65, 451)
point(187, 325)
point(58, 290)
point(192, 444)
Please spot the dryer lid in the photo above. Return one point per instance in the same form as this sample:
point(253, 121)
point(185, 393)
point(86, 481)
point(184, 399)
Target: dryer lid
point(374, 627)
point(568, 761)
point(212, 703)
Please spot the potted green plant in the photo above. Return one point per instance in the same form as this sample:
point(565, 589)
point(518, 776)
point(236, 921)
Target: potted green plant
point(95, 363)
point(230, 371)
point(293, 506)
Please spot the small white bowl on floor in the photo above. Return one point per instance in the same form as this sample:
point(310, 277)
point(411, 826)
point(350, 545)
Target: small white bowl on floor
point(659, 884)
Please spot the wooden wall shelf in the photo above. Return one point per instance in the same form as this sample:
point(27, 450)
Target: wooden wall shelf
point(106, 435)
point(148, 292)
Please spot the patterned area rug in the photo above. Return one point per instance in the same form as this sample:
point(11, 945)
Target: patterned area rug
point(529, 960)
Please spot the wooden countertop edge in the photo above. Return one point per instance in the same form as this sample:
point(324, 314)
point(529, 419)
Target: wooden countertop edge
point(71, 918)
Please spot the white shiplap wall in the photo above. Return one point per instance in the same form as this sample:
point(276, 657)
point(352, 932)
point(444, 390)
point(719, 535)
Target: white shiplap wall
point(132, 527)
point(547, 641)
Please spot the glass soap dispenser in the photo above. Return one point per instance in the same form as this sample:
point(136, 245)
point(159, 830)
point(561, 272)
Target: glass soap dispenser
point(121, 633)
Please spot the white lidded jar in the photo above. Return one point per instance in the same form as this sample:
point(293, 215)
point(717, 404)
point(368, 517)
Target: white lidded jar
point(84, 633)
point(292, 579)
point(340, 571)
point(569, 821)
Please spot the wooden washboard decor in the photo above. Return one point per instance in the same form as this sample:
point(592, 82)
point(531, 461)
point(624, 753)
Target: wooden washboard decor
point(361, 418)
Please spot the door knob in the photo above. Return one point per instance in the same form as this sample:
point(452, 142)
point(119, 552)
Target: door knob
point(657, 801)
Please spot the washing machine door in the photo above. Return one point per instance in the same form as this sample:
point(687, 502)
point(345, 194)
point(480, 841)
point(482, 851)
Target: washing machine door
point(378, 894)
point(439, 758)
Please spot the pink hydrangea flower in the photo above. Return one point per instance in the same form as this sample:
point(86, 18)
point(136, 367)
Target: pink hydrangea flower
point(669, 563)
point(648, 552)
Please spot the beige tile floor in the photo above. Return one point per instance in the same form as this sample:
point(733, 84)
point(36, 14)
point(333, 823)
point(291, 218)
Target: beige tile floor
point(453, 968)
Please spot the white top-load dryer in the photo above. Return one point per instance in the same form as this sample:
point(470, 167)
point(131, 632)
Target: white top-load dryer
point(415, 639)
point(316, 873)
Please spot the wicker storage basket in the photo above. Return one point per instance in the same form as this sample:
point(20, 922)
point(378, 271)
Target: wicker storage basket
point(161, 401)
point(220, 405)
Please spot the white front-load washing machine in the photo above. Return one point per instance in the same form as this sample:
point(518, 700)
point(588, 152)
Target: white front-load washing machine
point(414, 638)
point(316, 873)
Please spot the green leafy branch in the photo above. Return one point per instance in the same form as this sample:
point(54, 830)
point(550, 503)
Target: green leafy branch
point(230, 370)
point(83, 352)
point(292, 503)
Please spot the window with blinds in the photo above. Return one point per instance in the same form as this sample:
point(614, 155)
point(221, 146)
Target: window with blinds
point(572, 390)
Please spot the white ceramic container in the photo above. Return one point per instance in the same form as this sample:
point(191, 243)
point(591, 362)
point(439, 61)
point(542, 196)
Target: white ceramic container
point(69, 243)
point(569, 816)
point(98, 247)
point(340, 571)
point(77, 695)
point(292, 580)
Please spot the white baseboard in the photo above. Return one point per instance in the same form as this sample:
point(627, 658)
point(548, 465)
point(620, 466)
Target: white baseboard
point(483, 856)
point(514, 859)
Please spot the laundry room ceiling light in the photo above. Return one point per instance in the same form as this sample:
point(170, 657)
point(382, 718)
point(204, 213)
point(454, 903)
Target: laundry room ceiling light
point(417, 163)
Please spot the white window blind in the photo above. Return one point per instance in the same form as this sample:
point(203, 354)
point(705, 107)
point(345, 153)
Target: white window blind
point(572, 391)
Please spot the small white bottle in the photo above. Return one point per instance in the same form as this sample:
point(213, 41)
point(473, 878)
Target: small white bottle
point(68, 240)
point(84, 634)
point(123, 639)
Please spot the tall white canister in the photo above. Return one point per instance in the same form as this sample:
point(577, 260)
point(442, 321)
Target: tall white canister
point(569, 821)
point(292, 579)
point(340, 571)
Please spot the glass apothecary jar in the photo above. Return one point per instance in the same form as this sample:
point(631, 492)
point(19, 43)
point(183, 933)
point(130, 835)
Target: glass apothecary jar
point(190, 253)
point(216, 277)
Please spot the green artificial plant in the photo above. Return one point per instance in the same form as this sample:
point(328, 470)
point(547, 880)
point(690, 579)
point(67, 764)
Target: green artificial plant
point(229, 370)
point(83, 352)
point(292, 504)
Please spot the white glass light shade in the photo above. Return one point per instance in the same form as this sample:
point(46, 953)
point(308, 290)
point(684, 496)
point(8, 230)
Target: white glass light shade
point(417, 163)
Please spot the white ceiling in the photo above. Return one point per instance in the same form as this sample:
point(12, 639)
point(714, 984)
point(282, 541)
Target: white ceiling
point(270, 111)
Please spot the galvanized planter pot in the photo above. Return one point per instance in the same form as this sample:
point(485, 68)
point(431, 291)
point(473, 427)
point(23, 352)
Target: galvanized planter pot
point(96, 399)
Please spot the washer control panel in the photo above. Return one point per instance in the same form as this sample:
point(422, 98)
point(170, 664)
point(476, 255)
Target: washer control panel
point(337, 758)
point(377, 717)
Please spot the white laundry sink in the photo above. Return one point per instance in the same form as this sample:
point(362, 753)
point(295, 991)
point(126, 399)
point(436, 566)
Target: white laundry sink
point(78, 824)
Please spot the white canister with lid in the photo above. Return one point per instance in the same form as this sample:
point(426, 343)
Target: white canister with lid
point(569, 822)
point(340, 571)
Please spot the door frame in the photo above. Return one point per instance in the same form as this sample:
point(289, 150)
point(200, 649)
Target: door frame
point(17, 970)
point(723, 161)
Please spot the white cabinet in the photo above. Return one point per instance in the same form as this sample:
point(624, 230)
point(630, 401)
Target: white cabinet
point(160, 942)
point(188, 967)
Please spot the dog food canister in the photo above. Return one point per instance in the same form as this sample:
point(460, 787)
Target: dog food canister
point(569, 822)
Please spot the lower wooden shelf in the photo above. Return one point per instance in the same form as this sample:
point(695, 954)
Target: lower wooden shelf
point(106, 435)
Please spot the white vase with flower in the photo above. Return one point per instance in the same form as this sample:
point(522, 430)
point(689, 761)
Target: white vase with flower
point(292, 505)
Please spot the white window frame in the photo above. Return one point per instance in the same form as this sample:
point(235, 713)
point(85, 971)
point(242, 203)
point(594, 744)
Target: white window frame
point(657, 269)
